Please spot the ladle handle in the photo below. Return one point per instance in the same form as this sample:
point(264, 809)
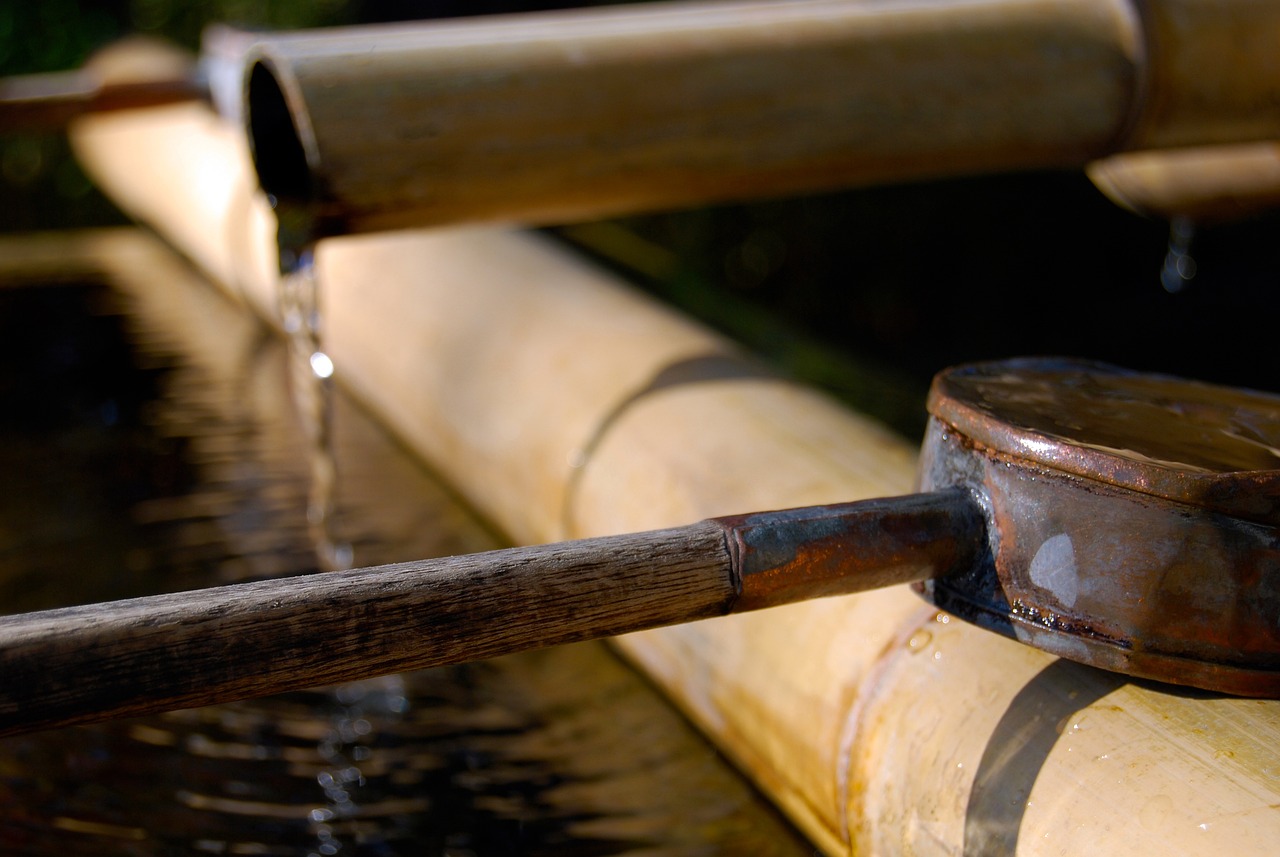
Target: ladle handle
point(83, 664)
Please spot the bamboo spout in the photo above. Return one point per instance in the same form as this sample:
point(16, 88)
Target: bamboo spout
point(555, 117)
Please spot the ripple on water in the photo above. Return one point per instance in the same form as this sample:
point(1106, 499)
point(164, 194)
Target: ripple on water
point(149, 445)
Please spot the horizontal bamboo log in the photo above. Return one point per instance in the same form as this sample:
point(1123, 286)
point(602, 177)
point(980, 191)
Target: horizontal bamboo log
point(564, 405)
point(556, 117)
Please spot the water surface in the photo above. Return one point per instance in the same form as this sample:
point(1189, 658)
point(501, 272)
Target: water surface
point(148, 443)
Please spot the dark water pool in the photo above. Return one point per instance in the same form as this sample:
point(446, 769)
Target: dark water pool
point(148, 443)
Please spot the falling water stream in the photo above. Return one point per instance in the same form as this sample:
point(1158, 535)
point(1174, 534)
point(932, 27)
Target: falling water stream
point(311, 374)
point(1179, 267)
point(355, 707)
point(148, 444)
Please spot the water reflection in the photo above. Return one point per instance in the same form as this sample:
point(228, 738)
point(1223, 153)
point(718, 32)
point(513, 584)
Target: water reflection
point(149, 445)
point(562, 752)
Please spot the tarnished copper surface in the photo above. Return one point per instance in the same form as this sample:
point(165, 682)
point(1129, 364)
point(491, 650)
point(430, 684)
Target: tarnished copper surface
point(1132, 519)
point(787, 556)
point(1216, 447)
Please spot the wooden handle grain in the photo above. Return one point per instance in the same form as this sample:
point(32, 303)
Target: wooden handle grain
point(186, 649)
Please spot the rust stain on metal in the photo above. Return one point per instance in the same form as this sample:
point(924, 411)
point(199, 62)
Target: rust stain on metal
point(1133, 520)
point(785, 556)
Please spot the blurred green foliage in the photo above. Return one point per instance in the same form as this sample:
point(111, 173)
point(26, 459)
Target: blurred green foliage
point(41, 185)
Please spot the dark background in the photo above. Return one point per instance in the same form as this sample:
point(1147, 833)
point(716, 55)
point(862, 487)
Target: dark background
point(866, 292)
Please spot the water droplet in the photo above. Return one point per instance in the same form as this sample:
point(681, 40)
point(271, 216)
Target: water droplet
point(1155, 812)
point(1179, 267)
point(322, 365)
point(919, 640)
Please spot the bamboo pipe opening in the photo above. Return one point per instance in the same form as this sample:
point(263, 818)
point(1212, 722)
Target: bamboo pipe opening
point(283, 152)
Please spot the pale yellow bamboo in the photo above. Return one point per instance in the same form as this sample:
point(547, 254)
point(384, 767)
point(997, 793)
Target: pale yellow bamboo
point(563, 404)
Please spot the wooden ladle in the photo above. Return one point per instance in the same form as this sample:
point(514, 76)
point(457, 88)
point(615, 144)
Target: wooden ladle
point(1119, 519)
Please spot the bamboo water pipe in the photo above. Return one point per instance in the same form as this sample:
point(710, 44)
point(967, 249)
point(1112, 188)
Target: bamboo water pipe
point(529, 379)
point(1206, 184)
point(553, 117)
point(541, 117)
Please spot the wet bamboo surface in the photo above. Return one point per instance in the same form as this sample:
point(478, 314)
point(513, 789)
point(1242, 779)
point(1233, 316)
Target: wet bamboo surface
point(150, 445)
point(563, 404)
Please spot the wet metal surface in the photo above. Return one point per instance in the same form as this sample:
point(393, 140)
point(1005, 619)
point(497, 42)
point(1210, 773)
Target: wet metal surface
point(796, 554)
point(1131, 518)
point(1169, 437)
point(148, 443)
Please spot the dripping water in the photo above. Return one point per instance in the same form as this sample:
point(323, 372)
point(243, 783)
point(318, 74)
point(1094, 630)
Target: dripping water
point(1179, 266)
point(311, 371)
point(311, 374)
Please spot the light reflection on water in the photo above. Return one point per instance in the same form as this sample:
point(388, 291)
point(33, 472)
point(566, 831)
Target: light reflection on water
point(148, 444)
